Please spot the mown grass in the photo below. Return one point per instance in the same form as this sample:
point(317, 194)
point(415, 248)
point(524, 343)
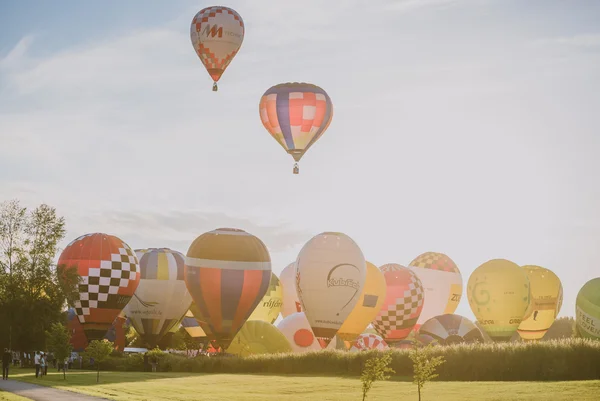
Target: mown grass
point(6, 396)
point(137, 386)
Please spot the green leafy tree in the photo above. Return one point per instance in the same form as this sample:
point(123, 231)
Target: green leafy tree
point(58, 341)
point(154, 356)
point(376, 368)
point(563, 327)
point(99, 351)
point(424, 365)
point(33, 291)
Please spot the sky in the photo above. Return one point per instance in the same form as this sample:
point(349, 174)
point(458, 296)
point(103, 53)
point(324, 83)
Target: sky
point(468, 127)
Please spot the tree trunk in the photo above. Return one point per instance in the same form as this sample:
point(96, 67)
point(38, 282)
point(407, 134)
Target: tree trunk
point(98, 374)
point(64, 372)
point(419, 389)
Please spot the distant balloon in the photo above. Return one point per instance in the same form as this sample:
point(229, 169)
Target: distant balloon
point(217, 34)
point(402, 306)
point(296, 115)
point(161, 298)
point(368, 306)
point(227, 271)
point(366, 342)
point(296, 329)
point(588, 309)
point(258, 337)
point(499, 296)
point(546, 300)
point(269, 307)
point(391, 267)
point(441, 281)
point(110, 275)
point(291, 302)
point(191, 326)
point(331, 274)
point(451, 329)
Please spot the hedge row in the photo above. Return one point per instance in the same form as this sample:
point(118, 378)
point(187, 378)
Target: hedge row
point(571, 359)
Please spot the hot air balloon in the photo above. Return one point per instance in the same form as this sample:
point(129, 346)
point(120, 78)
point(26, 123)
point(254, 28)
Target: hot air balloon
point(227, 271)
point(441, 281)
point(402, 306)
point(161, 298)
point(588, 309)
point(110, 275)
point(546, 299)
point(258, 337)
point(191, 326)
point(296, 329)
point(268, 308)
point(499, 296)
point(115, 333)
point(330, 274)
point(217, 34)
point(291, 302)
point(366, 342)
point(368, 306)
point(296, 115)
point(451, 329)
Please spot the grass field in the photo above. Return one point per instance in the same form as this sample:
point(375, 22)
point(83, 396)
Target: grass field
point(137, 386)
point(4, 396)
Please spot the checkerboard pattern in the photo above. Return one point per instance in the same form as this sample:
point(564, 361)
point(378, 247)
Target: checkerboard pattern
point(435, 261)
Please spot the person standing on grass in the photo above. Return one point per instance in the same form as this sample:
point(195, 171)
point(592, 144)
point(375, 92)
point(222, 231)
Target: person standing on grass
point(36, 360)
point(42, 364)
point(6, 357)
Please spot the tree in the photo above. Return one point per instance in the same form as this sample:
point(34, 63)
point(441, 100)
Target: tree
point(33, 291)
point(154, 355)
point(99, 351)
point(58, 341)
point(376, 368)
point(424, 365)
point(563, 327)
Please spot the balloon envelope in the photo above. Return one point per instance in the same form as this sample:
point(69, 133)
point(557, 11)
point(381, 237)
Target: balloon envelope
point(301, 338)
point(441, 281)
point(368, 306)
point(269, 307)
point(191, 325)
point(366, 342)
point(110, 275)
point(291, 302)
point(588, 309)
point(331, 274)
point(227, 271)
point(402, 306)
point(217, 34)
point(499, 296)
point(161, 298)
point(546, 299)
point(259, 337)
point(450, 329)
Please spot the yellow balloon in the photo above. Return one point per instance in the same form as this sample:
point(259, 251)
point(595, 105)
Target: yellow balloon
point(258, 337)
point(368, 306)
point(546, 300)
point(499, 297)
point(269, 307)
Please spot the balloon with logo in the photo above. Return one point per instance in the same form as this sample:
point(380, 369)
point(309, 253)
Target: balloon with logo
point(331, 272)
point(296, 329)
point(499, 296)
point(269, 307)
point(258, 337)
point(228, 272)
point(217, 34)
point(368, 306)
point(546, 300)
point(110, 275)
point(366, 342)
point(587, 308)
point(441, 281)
point(450, 329)
point(291, 302)
point(161, 298)
point(403, 303)
point(296, 114)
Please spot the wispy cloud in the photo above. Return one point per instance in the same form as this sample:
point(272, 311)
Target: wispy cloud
point(405, 6)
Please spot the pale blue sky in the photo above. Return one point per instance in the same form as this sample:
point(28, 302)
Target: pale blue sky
point(469, 127)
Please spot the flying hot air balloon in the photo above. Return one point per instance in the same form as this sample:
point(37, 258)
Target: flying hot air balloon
point(499, 297)
point(330, 272)
point(296, 115)
point(588, 310)
point(368, 306)
point(217, 34)
point(110, 274)
point(402, 306)
point(546, 300)
point(441, 281)
point(161, 298)
point(269, 307)
point(291, 302)
point(228, 272)
point(450, 329)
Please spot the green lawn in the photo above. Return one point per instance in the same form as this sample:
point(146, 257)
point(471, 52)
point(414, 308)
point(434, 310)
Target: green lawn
point(137, 386)
point(4, 396)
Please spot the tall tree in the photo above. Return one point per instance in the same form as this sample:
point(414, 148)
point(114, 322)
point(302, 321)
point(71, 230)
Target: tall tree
point(33, 291)
point(58, 340)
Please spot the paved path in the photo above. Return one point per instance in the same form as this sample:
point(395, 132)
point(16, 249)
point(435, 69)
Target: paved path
point(42, 393)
